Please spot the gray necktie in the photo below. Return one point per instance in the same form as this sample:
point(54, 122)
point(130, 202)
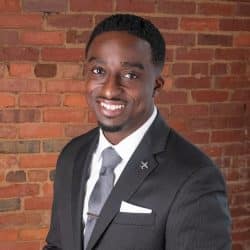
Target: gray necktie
point(101, 190)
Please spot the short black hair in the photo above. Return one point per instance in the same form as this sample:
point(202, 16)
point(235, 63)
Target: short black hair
point(136, 26)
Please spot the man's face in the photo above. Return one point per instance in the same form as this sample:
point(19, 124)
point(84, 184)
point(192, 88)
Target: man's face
point(120, 82)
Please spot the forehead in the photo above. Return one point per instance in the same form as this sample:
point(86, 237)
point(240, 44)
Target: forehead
point(120, 43)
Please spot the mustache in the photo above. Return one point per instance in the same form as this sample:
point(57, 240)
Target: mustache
point(103, 98)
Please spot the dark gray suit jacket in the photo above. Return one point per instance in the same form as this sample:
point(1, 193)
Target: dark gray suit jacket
point(184, 189)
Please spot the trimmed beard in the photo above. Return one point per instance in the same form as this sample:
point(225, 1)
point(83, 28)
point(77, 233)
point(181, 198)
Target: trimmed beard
point(111, 129)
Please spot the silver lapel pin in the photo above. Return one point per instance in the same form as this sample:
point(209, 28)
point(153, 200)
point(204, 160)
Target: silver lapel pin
point(144, 165)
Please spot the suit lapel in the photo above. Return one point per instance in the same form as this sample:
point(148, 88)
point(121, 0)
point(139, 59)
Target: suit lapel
point(79, 178)
point(141, 164)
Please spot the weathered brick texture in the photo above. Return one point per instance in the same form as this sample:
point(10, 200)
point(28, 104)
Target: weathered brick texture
point(42, 104)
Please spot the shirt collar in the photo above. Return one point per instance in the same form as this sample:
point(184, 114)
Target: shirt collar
point(127, 146)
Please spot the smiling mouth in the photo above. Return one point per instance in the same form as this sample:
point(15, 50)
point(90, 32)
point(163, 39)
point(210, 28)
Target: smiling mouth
point(112, 107)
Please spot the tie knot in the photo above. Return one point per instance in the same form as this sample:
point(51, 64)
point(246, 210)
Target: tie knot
point(110, 159)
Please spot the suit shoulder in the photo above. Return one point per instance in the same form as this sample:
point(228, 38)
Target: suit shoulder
point(185, 153)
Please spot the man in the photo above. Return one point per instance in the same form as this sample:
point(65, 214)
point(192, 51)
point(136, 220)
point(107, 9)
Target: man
point(161, 193)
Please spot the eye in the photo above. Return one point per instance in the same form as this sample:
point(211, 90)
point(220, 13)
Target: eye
point(130, 76)
point(98, 70)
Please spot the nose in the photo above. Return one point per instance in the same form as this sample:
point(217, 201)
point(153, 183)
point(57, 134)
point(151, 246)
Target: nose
point(111, 87)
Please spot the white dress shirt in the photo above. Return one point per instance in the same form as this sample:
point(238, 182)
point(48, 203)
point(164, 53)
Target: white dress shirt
point(124, 148)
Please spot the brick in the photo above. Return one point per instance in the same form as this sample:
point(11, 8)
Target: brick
point(227, 136)
point(16, 176)
point(75, 101)
point(21, 21)
point(91, 5)
point(16, 54)
point(40, 131)
point(9, 6)
point(38, 203)
point(199, 69)
point(19, 219)
point(197, 123)
point(39, 100)
point(19, 245)
point(243, 9)
point(240, 211)
point(77, 36)
point(13, 147)
point(20, 85)
point(71, 71)
point(8, 162)
point(37, 175)
point(8, 132)
point(192, 82)
point(20, 69)
point(214, 9)
point(241, 235)
point(235, 24)
point(231, 82)
point(19, 190)
point(42, 38)
point(61, 115)
point(179, 39)
point(75, 130)
point(38, 161)
point(8, 235)
point(232, 54)
point(45, 70)
point(135, 6)
point(33, 234)
point(168, 23)
point(65, 86)
point(219, 69)
point(227, 109)
point(8, 37)
point(177, 97)
point(198, 137)
point(70, 21)
point(242, 40)
point(48, 189)
point(199, 24)
point(227, 122)
point(55, 145)
point(177, 7)
point(210, 96)
point(26, 115)
point(242, 95)
point(45, 5)
point(189, 110)
point(180, 68)
point(197, 54)
point(208, 39)
point(63, 54)
point(9, 205)
point(238, 68)
point(178, 124)
point(7, 100)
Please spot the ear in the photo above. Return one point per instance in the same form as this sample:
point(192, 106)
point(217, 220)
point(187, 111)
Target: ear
point(159, 83)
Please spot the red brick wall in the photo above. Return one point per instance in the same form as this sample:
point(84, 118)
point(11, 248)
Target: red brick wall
point(207, 97)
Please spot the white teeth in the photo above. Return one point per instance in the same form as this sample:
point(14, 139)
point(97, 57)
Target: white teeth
point(112, 107)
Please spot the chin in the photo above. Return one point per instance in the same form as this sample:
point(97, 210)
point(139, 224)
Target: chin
point(110, 128)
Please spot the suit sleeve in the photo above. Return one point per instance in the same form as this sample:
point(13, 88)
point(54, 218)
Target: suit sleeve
point(199, 217)
point(53, 238)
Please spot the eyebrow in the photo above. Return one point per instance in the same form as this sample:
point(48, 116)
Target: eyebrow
point(124, 64)
point(133, 64)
